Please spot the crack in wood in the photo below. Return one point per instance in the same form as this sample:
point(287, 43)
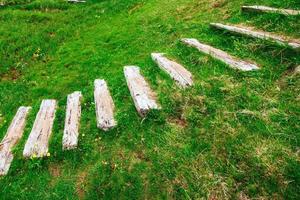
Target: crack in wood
point(13, 135)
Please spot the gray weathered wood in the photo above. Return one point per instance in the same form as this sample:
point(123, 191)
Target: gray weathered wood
point(283, 41)
point(144, 98)
point(37, 142)
point(297, 70)
point(104, 106)
point(267, 9)
point(231, 61)
point(76, 1)
point(13, 135)
point(182, 76)
point(72, 121)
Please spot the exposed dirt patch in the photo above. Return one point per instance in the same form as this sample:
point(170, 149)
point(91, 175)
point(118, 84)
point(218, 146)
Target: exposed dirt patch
point(213, 197)
point(54, 170)
point(80, 184)
point(243, 196)
point(12, 75)
point(219, 4)
point(178, 121)
point(141, 155)
point(180, 182)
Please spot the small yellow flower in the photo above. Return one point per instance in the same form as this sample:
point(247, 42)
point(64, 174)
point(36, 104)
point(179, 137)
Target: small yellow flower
point(104, 162)
point(48, 154)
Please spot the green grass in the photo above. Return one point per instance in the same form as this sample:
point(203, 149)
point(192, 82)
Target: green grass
point(233, 135)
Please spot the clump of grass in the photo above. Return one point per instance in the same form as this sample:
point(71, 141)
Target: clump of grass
point(51, 5)
point(14, 2)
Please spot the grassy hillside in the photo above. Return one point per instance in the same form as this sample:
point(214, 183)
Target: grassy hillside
point(233, 135)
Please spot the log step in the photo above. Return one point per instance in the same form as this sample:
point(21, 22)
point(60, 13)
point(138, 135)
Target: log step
point(266, 9)
point(104, 106)
point(76, 1)
point(37, 143)
point(182, 76)
point(297, 70)
point(232, 61)
point(72, 121)
point(144, 98)
point(13, 135)
point(294, 44)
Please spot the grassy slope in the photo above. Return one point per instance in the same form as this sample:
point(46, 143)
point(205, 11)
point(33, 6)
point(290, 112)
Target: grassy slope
point(231, 135)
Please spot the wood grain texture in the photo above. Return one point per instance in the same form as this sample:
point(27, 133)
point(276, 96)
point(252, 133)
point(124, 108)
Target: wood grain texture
point(144, 98)
point(178, 73)
point(249, 32)
point(104, 106)
point(72, 121)
point(266, 9)
point(37, 143)
point(231, 61)
point(13, 135)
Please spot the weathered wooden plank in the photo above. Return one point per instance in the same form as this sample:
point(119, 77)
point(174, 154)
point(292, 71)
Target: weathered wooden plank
point(231, 61)
point(144, 98)
point(104, 106)
point(266, 9)
point(37, 143)
point(182, 76)
point(283, 41)
point(72, 121)
point(76, 1)
point(13, 135)
point(297, 70)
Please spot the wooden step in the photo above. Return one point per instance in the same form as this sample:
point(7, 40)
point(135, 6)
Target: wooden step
point(182, 76)
point(12, 137)
point(72, 121)
point(104, 106)
point(297, 70)
point(76, 1)
point(294, 44)
point(266, 9)
point(232, 61)
point(37, 143)
point(144, 98)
